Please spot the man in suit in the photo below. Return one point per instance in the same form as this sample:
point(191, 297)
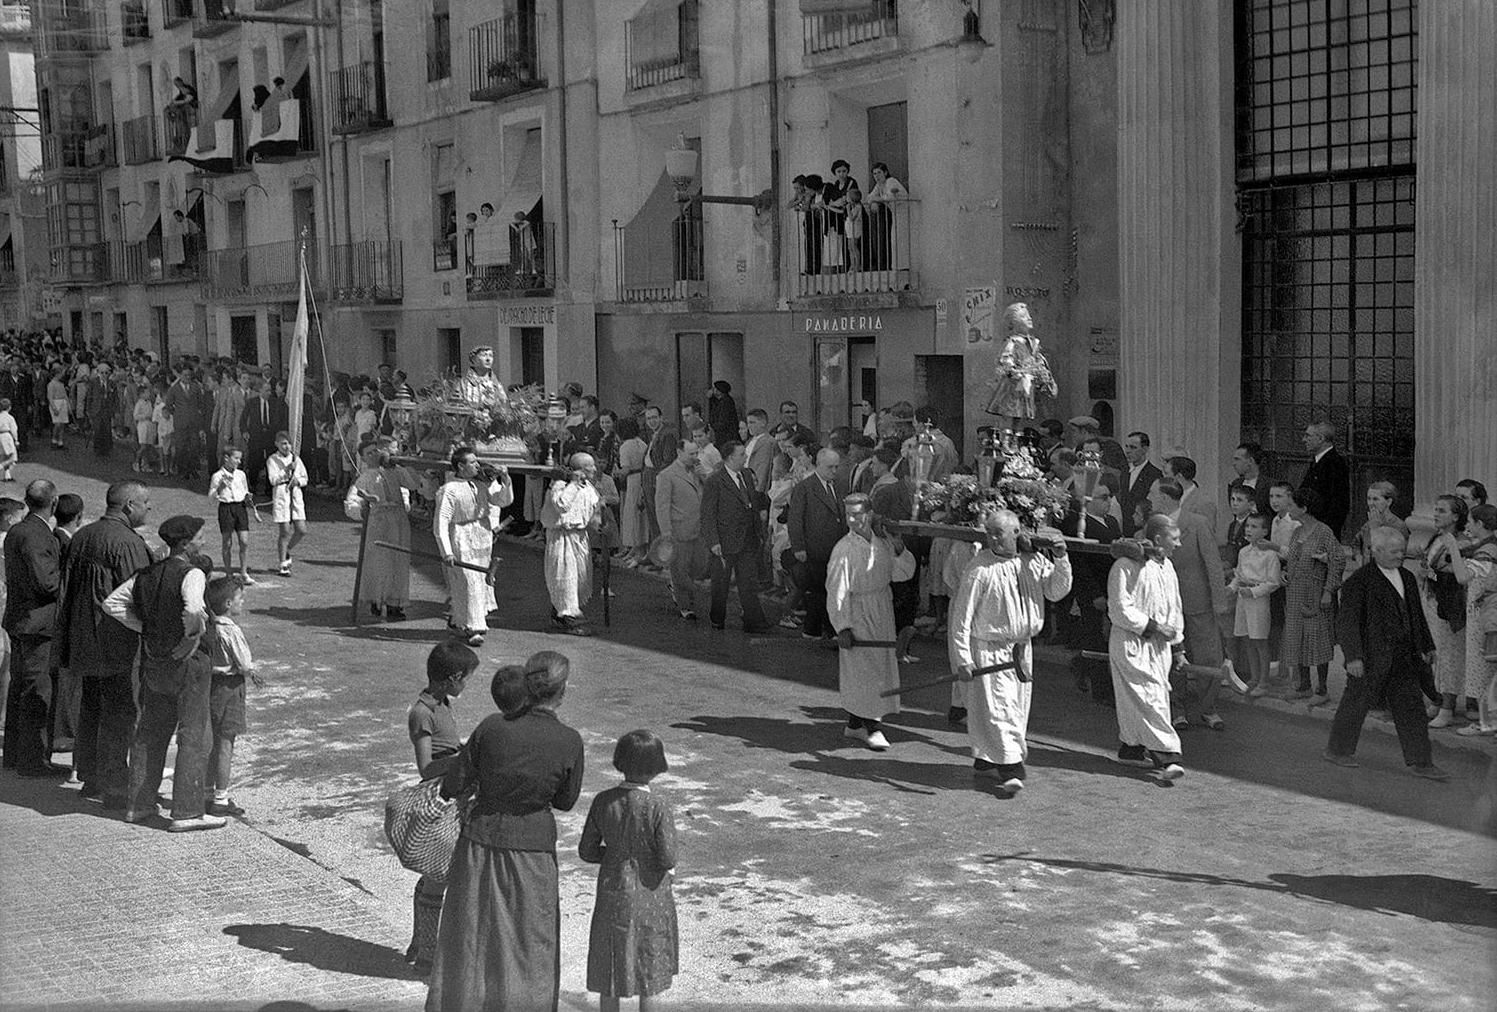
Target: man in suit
point(32, 580)
point(660, 451)
point(1386, 640)
point(1140, 477)
point(678, 510)
point(67, 517)
point(761, 448)
point(1089, 592)
point(1245, 461)
point(1203, 596)
point(731, 509)
point(788, 426)
point(97, 650)
point(1182, 470)
point(1328, 475)
point(184, 398)
point(263, 416)
point(816, 523)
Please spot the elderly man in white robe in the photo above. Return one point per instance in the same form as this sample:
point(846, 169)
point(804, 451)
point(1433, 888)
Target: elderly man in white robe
point(998, 608)
point(573, 510)
point(860, 607)
point(1148, 625)
point(464, 521)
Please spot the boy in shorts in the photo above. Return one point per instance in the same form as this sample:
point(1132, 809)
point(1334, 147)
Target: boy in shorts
point(229, 655)
point(229, 487)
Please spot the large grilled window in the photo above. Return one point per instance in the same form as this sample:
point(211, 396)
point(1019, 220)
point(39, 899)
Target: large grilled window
point(1325, 173)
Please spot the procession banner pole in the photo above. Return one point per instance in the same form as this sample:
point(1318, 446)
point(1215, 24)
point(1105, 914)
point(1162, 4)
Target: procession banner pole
point(607, 590)
point(358, 573)
point(948, 679)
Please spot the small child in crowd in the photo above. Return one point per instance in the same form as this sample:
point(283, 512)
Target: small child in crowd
point(1257, 576)
point(10, 439)
point(229, 654)
point(166, 452)
point(509, 691)
point(230, 489)
point(365, 421)
point(144, 414)
point(633, 949)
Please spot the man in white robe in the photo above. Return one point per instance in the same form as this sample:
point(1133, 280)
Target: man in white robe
point(1148, 625)
point(574, 508)
point(464, 520)
point(998, 608)
point(860, 607)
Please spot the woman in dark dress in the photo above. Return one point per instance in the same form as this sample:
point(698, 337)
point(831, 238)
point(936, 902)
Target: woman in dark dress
point(499, 944)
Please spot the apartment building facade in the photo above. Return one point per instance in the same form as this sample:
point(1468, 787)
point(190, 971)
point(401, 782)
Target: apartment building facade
point(23, 240)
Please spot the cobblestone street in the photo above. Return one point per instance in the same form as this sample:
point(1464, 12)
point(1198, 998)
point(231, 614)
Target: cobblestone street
point(813, 873)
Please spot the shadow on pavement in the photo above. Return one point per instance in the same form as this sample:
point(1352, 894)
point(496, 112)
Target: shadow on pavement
point(1427, 897)
point(326, 950)
point(48, 797)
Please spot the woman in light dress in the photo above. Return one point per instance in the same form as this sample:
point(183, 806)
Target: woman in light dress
point(634, 527)
point(1476, 569)
point(1444, 602)
point(880, 241)
point(383, 493)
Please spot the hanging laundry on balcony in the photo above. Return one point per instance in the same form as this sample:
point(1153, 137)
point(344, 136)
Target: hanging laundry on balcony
point(210, 147)
point(517, 210)
point(275, 130)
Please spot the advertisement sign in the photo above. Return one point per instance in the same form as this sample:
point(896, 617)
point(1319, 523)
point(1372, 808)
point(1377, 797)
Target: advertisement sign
point(979, 305)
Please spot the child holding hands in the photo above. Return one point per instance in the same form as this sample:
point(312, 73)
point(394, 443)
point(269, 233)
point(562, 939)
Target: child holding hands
point(634, 946)
point(1257, 576)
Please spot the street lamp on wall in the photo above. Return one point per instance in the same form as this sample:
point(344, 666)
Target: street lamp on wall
point(971, 44)
point(681, 165)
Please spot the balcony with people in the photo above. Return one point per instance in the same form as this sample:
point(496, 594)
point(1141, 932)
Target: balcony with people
point(358, 98)
point(368, 271)
point(843, 242)
point(510, 260)
point(662, 50)
point(842, 33)
point(280, 125)
point(504, 57)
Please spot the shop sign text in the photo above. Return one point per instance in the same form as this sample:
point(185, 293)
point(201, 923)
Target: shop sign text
point(852, 324)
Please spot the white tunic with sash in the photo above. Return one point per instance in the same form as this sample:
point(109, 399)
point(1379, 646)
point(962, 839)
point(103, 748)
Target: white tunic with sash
point(1139, 593)
point(573, 510)
point(467, 513)
point(858, 598)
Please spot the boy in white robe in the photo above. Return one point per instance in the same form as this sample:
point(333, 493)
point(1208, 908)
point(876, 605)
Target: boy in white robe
point(466, 514)
point(860, 606)
point(998, 608)
point(1148, 624)
point(574, 508)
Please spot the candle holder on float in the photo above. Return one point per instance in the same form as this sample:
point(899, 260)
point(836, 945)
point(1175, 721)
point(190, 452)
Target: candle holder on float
point(922, 464)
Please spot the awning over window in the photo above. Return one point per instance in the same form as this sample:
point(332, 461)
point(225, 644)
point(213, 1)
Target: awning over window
point(491, 245)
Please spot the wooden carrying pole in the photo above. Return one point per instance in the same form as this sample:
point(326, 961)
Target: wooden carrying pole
point(416, 552)
point(948, 679)
point(358, 573)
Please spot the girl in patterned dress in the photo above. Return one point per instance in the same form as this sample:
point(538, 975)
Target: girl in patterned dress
point(1312, 573)
point(1476, 570)
point(634, 947)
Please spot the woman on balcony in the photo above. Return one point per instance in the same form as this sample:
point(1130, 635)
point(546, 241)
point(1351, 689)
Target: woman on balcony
point(879, 242)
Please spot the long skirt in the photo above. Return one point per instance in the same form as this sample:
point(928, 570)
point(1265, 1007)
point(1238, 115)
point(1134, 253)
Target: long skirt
point(1450, 651)
point(387, 574)
point(569, 570)
point(1479, 671)
point(998, 715)
point(472, 597)
point(1141, 684)
point(499, 943)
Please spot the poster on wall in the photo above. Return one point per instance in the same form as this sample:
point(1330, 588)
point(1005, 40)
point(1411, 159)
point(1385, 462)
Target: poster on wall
point(978, 308)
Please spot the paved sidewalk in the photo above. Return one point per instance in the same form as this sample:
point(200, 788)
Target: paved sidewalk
point(98, 912)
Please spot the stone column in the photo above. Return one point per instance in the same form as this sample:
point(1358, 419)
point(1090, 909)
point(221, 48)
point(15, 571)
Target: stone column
point(1455, 237)
point(1179, 342)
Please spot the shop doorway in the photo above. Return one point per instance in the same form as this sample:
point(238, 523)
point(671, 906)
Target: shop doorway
point(846, 376)
point(242, 342)
point(702, 359)
point(942, 382)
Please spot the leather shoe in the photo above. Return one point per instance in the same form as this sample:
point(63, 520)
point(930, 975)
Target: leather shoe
point(1340, 760)
point(224, 808)
point(201, 822)
point(1429, 772)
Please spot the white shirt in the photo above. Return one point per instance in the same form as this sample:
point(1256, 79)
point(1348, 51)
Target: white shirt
point(229, 486)
point(1395, 577)
point(1324, 450)
point(1135, 471)
point(120, 604)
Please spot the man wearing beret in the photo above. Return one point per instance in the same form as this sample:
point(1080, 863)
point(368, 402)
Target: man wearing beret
point(165, 603)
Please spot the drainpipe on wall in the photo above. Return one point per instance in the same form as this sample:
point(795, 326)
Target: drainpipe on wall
point(776, 224)
point(324, 108)
point(343, 144)
point(563, 260)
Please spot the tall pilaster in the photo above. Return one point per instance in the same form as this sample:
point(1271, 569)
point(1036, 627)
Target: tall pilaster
point(1455, 236)
point(1179, 344)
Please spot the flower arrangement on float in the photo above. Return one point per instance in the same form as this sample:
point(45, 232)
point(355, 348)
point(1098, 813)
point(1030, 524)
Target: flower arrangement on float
point(1012, 481)
point(451, 412)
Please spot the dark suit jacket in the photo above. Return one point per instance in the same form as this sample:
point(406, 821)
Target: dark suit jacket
point(730, 517)
point(662, 447)
point(101, 556)
point(33, 578)
point(1198, 567)
point(814, 521)
point(260, 432)
point(1138, 492)
point(1386, 633)
point(1331, 480)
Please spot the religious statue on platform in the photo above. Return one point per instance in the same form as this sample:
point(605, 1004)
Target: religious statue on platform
point(480, 385)
point(1022, 370)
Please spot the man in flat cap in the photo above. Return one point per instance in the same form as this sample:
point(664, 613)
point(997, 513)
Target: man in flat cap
point(165, 603)
point(1084, 427)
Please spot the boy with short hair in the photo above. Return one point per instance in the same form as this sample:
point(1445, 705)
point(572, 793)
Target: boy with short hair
point(229, 654)
point(229, 487)
point(509, 689)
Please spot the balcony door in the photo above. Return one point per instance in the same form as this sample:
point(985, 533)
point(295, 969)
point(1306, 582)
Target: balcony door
point(888, 141)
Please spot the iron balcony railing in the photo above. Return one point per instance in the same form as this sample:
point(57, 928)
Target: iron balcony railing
point(825, 33)
point(503, 58)
point(135, 25)
point(367, 271)
point(648, 269)
point(358, 97)
point(444, 254)
point(79, 150)
point(647, 71)
point(140, 140)
point(530, 268)
point(153, 260)
point(177, 122)
point(81, 263)
point(847, 253)
point(71, 31)
point(257, 272)
point(175, 12)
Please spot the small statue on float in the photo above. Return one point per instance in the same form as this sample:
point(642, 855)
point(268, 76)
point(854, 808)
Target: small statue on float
point(1022, 371)
point(480, 385)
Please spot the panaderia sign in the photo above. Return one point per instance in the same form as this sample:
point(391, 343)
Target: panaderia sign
point(844, 323)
